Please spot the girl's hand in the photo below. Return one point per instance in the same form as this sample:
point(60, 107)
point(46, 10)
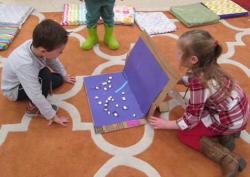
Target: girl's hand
point(159, 123)
point(59, 120)
point(69, 79)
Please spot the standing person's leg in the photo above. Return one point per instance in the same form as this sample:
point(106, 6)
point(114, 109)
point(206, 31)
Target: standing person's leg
point(107, 13)
point(93, 15)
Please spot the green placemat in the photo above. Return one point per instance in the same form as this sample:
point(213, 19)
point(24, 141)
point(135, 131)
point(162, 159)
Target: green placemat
point(194, 15)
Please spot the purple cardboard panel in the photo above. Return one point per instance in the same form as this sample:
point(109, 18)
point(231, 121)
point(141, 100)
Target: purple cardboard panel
point(119, 89)
point(145, 76)
point(136, 88)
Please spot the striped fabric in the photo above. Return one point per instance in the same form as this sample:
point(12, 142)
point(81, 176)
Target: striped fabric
point(75, 14)
point(7, 34)
point(11, 19)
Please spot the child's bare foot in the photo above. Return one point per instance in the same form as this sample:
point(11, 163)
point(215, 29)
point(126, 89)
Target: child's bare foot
point(158, 123)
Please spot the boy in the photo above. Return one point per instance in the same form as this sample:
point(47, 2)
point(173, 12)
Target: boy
point(26, 76)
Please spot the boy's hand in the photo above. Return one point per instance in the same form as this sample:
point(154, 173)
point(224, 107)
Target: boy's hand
point(59, 120)
point(69, 79)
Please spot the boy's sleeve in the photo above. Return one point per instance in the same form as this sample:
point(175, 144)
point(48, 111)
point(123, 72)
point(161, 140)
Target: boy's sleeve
point(56, 66)
point(28, 78)
point(195, 108)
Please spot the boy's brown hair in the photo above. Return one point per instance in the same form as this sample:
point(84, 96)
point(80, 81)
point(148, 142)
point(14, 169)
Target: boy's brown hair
point(49, 35)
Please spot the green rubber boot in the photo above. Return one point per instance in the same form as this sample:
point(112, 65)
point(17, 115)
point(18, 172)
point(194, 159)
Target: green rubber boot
point(109, 39)
point(91, 40)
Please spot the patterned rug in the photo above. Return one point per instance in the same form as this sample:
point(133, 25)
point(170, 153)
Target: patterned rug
point(29, 148)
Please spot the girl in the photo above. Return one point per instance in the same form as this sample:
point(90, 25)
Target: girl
point(218, 108)
point(95, 10)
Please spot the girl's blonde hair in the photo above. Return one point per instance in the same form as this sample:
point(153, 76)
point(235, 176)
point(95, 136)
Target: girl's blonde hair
point(201, 44)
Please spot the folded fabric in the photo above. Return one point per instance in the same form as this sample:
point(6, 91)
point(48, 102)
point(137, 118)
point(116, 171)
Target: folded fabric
point(75, 14)
point(225, 8)
point(7, 35)
point(243, 3)
point(14, 15)
point(124, 15)
point(194, 15)
point(154, 22)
